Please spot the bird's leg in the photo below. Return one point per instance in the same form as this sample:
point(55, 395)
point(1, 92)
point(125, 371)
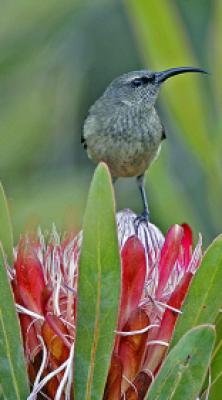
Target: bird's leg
point(144, 217)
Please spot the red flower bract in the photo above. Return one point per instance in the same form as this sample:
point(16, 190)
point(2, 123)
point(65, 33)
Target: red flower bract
point(155, 277)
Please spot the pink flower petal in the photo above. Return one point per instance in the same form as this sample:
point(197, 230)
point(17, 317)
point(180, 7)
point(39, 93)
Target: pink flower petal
point(54, 333)
point(156, 352)
point(29, 334)
point(196, 257)
point(187, 242)
point(58, 328)
point(29, 277)
point(138, 390)
point(113, 384)
point(169, 255)
point(132, 347)
point(133, 278)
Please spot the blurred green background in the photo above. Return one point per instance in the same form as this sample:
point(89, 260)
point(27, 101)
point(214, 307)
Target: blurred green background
point(58, 56)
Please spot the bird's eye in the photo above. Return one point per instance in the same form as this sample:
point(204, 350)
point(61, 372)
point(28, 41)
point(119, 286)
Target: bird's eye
point(136, 82)
point(144, 80)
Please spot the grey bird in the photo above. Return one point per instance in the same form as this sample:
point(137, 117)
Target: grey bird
point(123, 128)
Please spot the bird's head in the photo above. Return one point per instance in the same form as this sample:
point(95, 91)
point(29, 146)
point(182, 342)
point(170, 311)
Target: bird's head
point(141, 86)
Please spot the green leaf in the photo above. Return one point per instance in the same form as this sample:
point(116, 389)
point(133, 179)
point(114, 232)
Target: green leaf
point(98, 289)
point(215, 52)
point(13, 378)
point(215, 379)
point(6, 237)
point(204, 298)
point(170, 46)
point(176, 204)
point(1, 394)
point(183, 372)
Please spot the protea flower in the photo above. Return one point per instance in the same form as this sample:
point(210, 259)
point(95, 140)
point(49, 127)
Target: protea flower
point(44, 281)
point(156, 274)
point(155, 277)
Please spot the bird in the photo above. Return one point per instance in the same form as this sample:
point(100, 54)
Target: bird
point(123, 128)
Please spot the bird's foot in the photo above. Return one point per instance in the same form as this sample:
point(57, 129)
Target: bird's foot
point(142, 218)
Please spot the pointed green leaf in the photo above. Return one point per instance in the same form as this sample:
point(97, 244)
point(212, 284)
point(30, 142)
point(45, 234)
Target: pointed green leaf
point(204, 298)
point(13, 378)
point(183, 372)
point(98, 289)
point(6, 237)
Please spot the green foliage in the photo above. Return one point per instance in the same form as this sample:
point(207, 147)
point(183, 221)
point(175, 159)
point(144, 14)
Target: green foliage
point(213, 383)
point(174, 44)
point(183, 372)
point(6, 235)
point(164, 41)
point(98, 290)
point(13, 378)
point(204, 298)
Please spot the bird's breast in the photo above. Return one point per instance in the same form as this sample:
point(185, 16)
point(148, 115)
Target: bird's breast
point(127, 141)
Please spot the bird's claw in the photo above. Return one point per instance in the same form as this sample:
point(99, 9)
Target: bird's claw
point(143, 218)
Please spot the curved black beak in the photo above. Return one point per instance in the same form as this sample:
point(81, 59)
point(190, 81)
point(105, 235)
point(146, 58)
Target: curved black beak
point(168, 73)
